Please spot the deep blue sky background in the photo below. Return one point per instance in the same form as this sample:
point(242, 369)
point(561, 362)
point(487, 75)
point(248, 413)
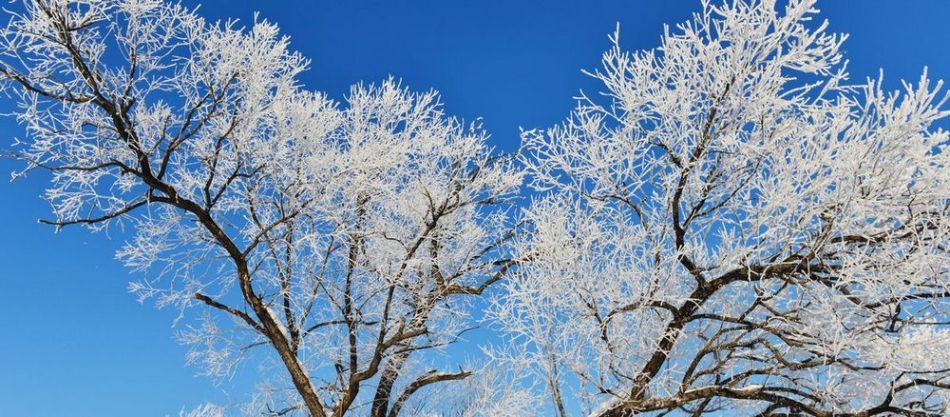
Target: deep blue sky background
point(74, 343)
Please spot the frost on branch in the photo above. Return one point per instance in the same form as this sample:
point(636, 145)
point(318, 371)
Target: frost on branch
point(735, 228)
point(343, 243)
point(204, 410)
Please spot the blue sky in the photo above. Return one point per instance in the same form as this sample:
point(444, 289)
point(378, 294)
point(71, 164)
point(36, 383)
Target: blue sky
point(74, 343)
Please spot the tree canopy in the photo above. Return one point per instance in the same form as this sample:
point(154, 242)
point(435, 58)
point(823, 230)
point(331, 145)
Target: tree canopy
point(733, 227)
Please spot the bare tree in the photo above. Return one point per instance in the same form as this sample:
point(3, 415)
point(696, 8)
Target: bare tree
point(346, 241)
point(735, 229)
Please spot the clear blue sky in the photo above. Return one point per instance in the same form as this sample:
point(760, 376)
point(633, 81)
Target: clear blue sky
point(74, 343)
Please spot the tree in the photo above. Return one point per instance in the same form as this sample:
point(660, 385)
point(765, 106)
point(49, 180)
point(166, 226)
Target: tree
point(735, 229)
point(346, 241)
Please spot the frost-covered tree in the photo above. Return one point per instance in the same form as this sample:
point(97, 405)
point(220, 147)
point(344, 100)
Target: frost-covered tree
point(734, 228)
point(341, 243)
